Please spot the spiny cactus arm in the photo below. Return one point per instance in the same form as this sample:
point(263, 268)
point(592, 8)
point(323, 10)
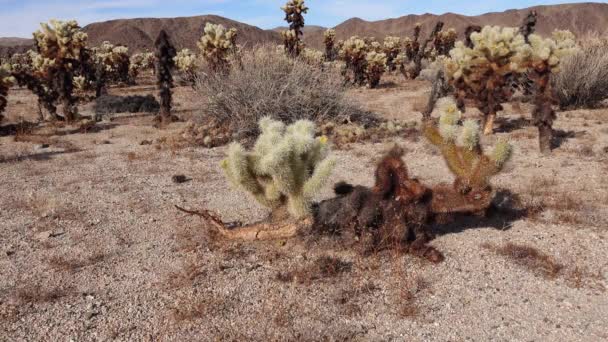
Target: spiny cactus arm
point(319, 177)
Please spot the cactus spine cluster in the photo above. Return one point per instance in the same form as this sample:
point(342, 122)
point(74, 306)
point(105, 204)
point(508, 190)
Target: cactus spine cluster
point(329, 39)
point(459, 144)
point(216, 44)
point(165, 62)
point(286, 167)
point(294, 16)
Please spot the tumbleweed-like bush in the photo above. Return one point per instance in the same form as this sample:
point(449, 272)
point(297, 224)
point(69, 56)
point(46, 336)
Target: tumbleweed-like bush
point(269, 83)
point(216, 45)
point(582, 81)
point(285, 169)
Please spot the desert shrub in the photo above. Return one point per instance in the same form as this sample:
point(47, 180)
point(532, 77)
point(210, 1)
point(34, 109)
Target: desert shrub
point(271, 84)
point(583, 77)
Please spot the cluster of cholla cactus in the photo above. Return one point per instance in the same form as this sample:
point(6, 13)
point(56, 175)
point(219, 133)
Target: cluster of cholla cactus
point(459, 143)
point(60, 46)
point(294, 16)
point(329, 39)
point(285, 169)
point(140, 62)
point(542, 57)
point(165, 62)
point(6, 81)
point(392, 47)
point(481, 72)
point(113, 62)
point(216, 45)
point(364, 60)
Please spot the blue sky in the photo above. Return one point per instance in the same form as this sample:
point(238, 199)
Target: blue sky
point(21, 17)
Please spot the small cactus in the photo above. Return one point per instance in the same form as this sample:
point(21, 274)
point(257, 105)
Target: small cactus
point(187, 64)
point(392, 47)
point(329, 39)
point(114, 61)
point(286, 167)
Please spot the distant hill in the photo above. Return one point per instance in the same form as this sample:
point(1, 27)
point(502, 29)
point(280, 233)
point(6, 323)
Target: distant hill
point(579, 18)
point(139, 34)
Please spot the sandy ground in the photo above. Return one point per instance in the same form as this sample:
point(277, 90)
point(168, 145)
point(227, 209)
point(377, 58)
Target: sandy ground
point(92, 248)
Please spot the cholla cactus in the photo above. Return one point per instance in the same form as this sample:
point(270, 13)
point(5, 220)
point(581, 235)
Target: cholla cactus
point(6, 81)
point(392, 47)
point(376, 66)
point(140, 62)
point(165, 62)
point(294, 16)
point(114, 62)
point(482, 71)
point(460, 146)
point(60, 47)
point(187, 64)
point(329, 39)
point(542, 58)
point(353, 53)
point(286, 168)
point(444, 42)
point(312, 56)
point(216, 45)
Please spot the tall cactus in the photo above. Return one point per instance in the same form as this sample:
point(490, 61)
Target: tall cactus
point(542, 58)
point(285, 169)
point(482, 71)
point(392, 47)
point(165, 54)
point(216, 45)
point(294, 16)
point(329, 39)
point(60, 45)
point(353, 53)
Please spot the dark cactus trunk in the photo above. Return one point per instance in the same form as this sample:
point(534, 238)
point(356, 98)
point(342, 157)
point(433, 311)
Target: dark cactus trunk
point(165, 52)
point(543, 114)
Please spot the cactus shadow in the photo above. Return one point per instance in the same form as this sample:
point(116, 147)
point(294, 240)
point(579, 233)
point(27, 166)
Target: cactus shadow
point(561, 136)
point(44, 156)
point(504, 210)
point(16, 128)
point(506, 125)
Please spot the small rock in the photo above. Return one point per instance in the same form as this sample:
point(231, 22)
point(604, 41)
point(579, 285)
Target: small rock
point(145, 142)
point(43, 236)
point(180, 179)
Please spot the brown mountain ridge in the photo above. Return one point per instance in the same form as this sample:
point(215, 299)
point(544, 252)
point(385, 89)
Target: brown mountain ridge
point(139, 34)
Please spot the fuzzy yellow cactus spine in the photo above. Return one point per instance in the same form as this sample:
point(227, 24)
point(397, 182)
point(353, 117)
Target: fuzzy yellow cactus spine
point(60, 46)
point(286, 167)
point(461, 149)
point(294, 16)
point(6, 81)
point(329, 39)
point(216, 45)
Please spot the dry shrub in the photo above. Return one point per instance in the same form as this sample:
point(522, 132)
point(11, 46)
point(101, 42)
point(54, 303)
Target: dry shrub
point(323, 267)
point(268, 83)
point(528, 257)
point(583, 77)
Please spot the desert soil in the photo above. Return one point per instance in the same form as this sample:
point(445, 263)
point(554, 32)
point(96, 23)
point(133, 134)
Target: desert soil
point(93, 249)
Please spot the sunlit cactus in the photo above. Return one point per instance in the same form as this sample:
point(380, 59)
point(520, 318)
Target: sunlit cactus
point(216, 45)
point(187, 63)
point(375, 67)
point(285, 169)
point(294, 16)
point(444, 42)
point(140, 62)
point(114, 62)
point(313, 56)
point(482, 71)
point(542, 57)
point(353, 53)
point(60, 45)
point(460, 147)
point(392, 47)
point(6, 81)
point(329, 39)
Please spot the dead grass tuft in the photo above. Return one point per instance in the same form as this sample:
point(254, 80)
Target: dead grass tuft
point(60, 263)
point(324, 267)
point(36, 294)
point(528, 257)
